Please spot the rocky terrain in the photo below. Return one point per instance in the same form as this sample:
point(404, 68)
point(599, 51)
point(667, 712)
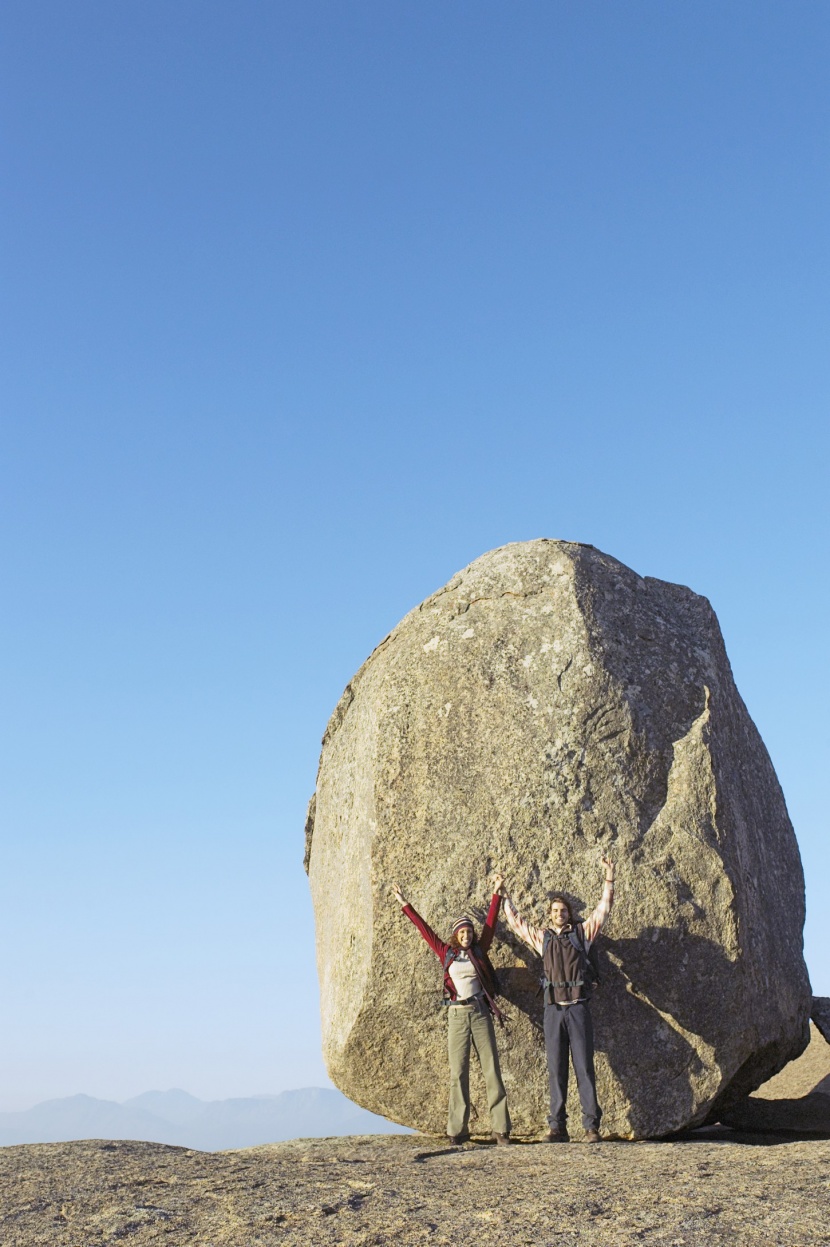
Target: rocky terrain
point(710, 1187)
point(380, 1190)
point(546, 706)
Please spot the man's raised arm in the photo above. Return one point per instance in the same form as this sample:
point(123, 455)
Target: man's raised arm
point(525, 931)
point(593, 923)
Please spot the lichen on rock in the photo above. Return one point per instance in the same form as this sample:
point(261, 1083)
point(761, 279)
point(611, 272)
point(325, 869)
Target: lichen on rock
point(546, 706)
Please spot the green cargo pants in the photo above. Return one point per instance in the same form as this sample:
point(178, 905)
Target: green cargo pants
point(472, 1025)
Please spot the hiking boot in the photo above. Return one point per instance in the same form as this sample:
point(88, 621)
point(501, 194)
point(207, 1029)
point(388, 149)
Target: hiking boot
point(557, 1135)
point(501, 1138)
point(455, 1140)
point(592, 1136)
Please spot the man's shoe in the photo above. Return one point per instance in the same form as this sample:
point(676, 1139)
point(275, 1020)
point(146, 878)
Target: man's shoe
point(455, 1140)
point(558, 1136)
point(592, 1136)
point(501, 1138)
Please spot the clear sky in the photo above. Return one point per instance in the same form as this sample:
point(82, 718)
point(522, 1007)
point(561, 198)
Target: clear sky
point(305, 306)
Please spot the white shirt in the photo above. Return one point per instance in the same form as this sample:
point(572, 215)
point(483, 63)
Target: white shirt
point(464, 977)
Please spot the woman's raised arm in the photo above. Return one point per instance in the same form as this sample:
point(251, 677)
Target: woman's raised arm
point(438, 946)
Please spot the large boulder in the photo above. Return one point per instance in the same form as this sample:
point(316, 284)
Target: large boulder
point(546, 706)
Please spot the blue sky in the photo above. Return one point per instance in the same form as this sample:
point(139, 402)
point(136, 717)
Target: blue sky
point(305, 306)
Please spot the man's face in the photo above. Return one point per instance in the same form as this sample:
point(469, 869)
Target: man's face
point(465, 936)
point(559, 914)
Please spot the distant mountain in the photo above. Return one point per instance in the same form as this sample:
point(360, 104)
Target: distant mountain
point(178, 1118)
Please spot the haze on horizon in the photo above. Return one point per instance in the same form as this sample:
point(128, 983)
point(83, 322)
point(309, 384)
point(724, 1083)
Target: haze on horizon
point(306, 307)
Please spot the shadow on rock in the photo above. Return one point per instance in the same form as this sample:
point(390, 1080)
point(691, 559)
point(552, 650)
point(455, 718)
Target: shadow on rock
point(661, 1018)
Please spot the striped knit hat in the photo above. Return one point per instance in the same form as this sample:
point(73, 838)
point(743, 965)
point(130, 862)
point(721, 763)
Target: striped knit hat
point(462, 922)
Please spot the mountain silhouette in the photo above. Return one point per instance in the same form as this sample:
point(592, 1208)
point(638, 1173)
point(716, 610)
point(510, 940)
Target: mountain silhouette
point(181, 1119)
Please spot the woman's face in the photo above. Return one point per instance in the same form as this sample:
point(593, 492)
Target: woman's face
point(465, 936)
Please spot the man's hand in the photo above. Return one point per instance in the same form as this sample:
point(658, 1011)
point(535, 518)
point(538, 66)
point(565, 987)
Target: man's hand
point(609, 867)
point(498, 883)
point(398, 894)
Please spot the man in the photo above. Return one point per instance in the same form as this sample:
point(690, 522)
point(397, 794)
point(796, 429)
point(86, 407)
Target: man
point(564, 951)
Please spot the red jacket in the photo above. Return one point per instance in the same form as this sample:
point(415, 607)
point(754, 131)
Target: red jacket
point(440, 947)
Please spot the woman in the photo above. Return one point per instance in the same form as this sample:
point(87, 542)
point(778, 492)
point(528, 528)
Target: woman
point(469, 992)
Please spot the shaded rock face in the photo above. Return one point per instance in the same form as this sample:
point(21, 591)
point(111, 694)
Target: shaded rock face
point(796, 1101)
point(544, 707)
point(810, 1072)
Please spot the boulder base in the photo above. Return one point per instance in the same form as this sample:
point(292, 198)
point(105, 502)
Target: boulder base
point(546, 706)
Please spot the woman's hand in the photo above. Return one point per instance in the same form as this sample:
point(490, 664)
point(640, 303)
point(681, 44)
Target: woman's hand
point(498, 883)
point(609, 868)
point(398, 894)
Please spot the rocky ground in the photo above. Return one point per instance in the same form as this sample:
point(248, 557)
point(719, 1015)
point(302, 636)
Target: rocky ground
point(710, 1189)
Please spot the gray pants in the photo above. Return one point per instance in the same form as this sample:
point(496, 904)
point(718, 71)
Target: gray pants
point(569, 1028)
point(472, 1025)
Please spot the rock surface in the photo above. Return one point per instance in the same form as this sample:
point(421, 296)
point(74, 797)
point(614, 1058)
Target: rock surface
point(549, 704)
point(397, 1189)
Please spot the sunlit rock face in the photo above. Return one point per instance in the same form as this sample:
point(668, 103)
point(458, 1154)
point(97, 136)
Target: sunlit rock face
point(546, 706)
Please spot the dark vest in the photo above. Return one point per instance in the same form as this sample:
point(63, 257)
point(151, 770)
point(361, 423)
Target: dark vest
point(564, 966)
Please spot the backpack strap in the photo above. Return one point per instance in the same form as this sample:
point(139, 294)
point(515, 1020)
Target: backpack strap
point(489, 995)
point(449, 957)
point(544, 981)
point(590, 966)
